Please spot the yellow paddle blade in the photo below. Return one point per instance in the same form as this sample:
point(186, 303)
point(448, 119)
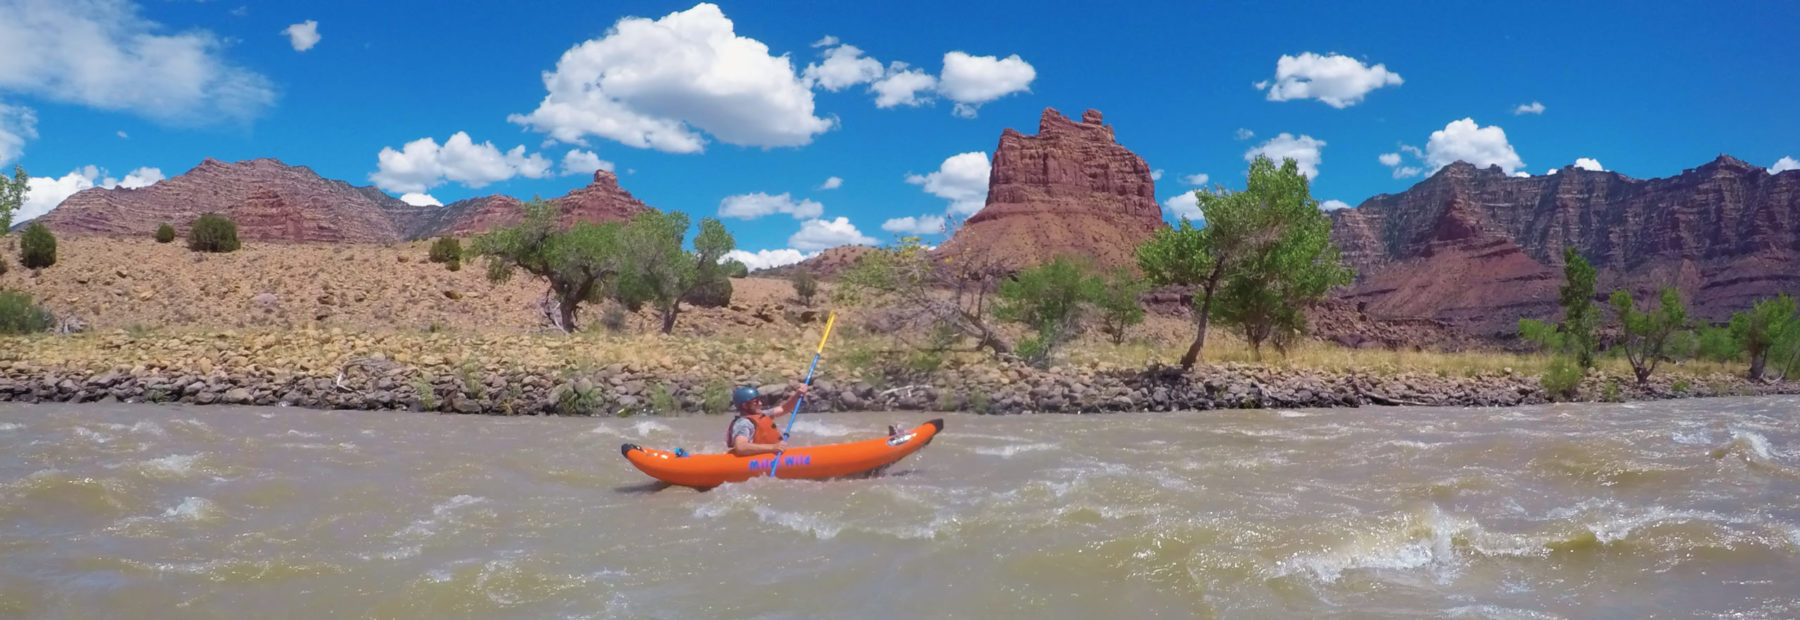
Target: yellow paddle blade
point(828, 321)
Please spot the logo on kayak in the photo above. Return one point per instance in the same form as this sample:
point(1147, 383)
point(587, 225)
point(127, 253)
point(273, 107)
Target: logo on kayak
point(899, 439)
point(760, 464)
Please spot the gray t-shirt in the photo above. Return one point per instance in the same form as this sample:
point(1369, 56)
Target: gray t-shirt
point(742, 427)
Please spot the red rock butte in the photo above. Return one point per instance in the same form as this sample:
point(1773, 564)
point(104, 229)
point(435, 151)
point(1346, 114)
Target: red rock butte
point(274, 202)
point(1069, 190)
point(1479, 249)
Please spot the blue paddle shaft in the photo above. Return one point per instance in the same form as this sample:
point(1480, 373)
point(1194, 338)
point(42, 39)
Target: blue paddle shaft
point(795, 414)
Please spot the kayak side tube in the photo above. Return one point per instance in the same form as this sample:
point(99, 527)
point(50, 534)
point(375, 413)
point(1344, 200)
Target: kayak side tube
point(811, 462)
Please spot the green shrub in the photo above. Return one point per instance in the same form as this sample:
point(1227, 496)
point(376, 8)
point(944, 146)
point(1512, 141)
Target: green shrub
point(805, 286)
point(446, 250)
point(1680, 386)
point(717, 398)
point(614, 318)
point(213, 233)
point(1610, 393)
point(19, 314)
point(165, 233)
point(37, 247)
point(1562, 378)
point(662, 399)
point(735, 269)
point(577, 398)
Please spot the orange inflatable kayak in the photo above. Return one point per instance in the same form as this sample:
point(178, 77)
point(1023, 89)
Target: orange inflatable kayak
point(828, 461)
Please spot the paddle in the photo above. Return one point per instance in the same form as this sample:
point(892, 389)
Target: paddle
point(802, 399)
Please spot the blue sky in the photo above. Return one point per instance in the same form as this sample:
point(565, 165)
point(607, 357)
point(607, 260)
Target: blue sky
point(700, 103)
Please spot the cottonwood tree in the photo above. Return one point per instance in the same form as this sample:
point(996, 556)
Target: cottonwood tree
point(1263, 254)
point(1755, 332)
point(658, 271)
point(581, 264)
point(1646, 334)
point(1050, 299)
point(1575, 336)
point(953, 294)
point(1118, 302)
point(12, 195)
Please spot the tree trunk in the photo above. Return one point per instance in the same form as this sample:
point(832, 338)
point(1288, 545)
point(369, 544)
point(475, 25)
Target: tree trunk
point(565, 308)
point(1202, 317)
point(668, 317)
point(1758, 363)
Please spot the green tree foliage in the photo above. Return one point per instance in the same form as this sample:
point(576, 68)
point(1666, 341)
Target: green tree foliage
point(165, 233)
point(661, 273)
point(213, 233)
point(37, 247)
point(1050, 299)
point(1756, 332)
point(806, 285)
point(19, 314)
point(1716, 343)
point(1118, 302)
point(1580, 317)
point(12, 195)
point(1262, 255)
point(1646, 334)
point(446, 250)
point(581, 264)
point(1562, 378)
point(736, 269)
point(1546, 335)
point(953, 294)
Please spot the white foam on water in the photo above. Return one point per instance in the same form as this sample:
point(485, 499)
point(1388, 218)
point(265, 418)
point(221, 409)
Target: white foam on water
point(644, 427)
point(1289, 413)
point(7, 427)
point(302, 434)
point(806, 524)
point(1408, 443)
point(1421, 541)
point(1014, 450)
point(443, 510)
point(175, 465)
point(1756, 442)
point(1690, 437)
point(1498, 612)
point(91, 435)
point(192, 509)
point(808, 426)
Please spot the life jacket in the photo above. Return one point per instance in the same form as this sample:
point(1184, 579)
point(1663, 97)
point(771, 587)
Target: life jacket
point(766, 433)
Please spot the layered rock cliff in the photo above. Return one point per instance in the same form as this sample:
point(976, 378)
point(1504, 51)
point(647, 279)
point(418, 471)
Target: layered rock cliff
point(1070, 189)
point(272, 201)
point(1480, 249)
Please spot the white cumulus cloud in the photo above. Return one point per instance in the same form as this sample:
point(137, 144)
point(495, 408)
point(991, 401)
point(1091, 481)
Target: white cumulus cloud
point(420, 200)
point(911, 225)
point(1589, 163)
point(18, 125)
point(303, 35)
point(832, 183)
point(1337, 80)
point(844, 66)
point(658, 84)
point(903, 86)
point(1156, 175)
point(584, 162)
point(1198, 178)
point(1784, 164)
point(1465, 140)
point(962, 179)
point(765, 259)
point(974, 80)
point(422, 164)
point(1244, 134)
point(1390, 159)
point(1333, 205)
point(1529, 108)
point(44, 193)
point(755, 205)
point(1304, 150)
point(104, 54)
point(818, 234)
point(1183, 205)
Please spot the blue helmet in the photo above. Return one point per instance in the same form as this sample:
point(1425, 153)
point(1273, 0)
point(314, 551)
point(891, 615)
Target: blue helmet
point(743, 395)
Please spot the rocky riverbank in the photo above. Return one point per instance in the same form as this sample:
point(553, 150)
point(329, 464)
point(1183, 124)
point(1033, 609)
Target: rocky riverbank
point(592, 375)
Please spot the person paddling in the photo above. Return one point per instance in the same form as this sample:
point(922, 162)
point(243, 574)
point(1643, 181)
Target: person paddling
point(753, 431)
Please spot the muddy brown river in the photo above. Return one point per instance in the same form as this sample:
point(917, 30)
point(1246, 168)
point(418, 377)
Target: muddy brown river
point(1670, 509)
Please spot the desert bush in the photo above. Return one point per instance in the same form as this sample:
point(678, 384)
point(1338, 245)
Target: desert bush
point(213, 233)
point(37, 247)
point(1562, 377)
point(614, 318)
point(165, 233)
point(735, 269)
point(20, 314)
point(446, 250)
point(805, 286)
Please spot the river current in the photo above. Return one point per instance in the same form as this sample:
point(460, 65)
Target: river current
point(1667, 509)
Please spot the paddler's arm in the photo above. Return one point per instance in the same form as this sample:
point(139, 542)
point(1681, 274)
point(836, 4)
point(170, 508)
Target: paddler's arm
point(741, 446)
point(787, 406)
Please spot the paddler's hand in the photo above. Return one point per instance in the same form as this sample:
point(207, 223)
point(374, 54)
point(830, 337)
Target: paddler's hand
point(802, 389)
point(781, 446)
